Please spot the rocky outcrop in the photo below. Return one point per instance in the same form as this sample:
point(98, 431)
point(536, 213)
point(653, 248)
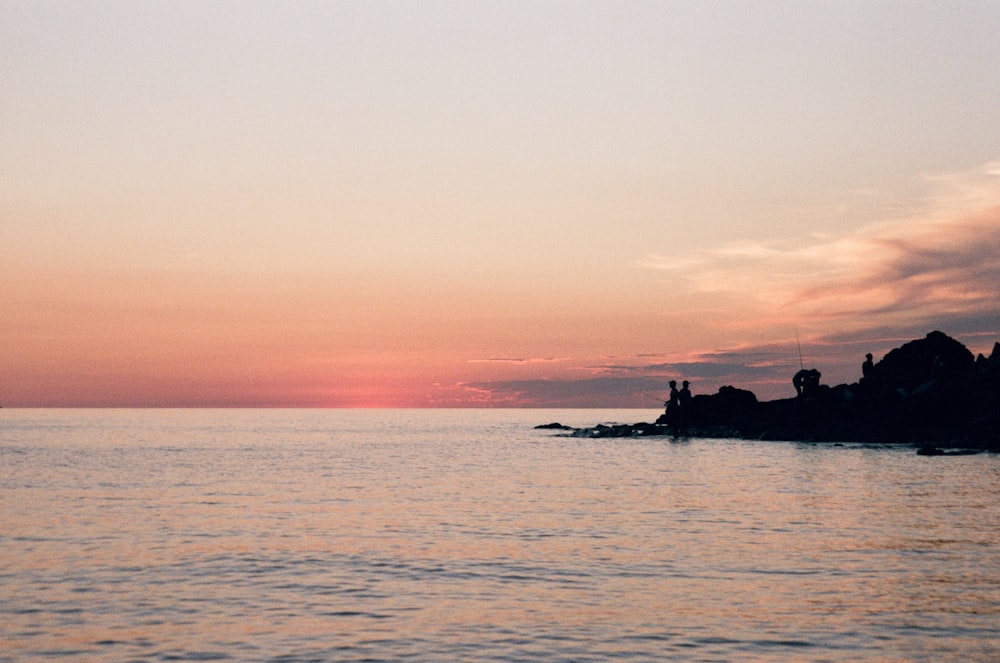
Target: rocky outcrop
point(920, 363)
point(930, 392)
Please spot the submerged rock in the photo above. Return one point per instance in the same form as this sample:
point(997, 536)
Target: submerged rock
point(553, 426)
point(621, 430)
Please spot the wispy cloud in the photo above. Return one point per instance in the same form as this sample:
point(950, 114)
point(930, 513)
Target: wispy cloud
point(517, 360)
point(943, 262)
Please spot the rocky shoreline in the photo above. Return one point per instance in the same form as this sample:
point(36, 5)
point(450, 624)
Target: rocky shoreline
point(930, 393)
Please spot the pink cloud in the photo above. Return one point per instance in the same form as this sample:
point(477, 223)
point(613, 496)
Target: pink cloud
point(517, 360)
point(942, 263)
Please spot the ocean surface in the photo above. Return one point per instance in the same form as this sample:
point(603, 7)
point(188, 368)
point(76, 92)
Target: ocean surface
point(466, 535)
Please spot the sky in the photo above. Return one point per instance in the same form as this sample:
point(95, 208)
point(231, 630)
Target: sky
point(487, 204)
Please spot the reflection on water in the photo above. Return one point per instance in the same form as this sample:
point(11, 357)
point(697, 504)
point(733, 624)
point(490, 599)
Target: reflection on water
point(466, 535)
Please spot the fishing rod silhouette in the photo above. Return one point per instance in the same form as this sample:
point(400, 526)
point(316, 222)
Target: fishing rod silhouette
point(806, 383)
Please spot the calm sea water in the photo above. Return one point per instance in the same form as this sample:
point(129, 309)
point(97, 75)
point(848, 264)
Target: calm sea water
point(465, 535)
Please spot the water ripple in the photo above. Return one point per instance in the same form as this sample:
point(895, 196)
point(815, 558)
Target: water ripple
point(317, 536)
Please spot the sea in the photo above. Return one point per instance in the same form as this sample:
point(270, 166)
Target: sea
point(469, 535)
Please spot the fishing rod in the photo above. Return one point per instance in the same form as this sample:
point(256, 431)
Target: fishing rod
point(799, 346)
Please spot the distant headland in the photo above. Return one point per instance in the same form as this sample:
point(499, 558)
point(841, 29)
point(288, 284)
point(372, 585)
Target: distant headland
point(930, 392)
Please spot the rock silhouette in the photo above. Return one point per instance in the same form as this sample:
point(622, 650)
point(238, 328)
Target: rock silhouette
point(930, 392)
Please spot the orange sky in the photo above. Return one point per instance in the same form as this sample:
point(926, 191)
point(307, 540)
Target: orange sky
point(454, 204)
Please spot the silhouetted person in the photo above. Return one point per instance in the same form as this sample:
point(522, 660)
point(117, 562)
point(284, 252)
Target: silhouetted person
point(867, 381)
point(867, 368)
point(812, 384)
point(675, 398)
point(684, 397)
point(799, 381)
point(673, 406)
point(806, 382)
point(678, 402)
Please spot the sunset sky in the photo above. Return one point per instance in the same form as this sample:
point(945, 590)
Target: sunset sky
point(437, 204)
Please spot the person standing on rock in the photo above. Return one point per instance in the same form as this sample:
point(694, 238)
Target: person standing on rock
point(684, 397)
point(674, 396)
point(672, 406)
point(867, 382)
point(683, 402)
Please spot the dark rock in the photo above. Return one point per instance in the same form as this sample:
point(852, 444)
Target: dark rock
point(920, 362)
point(621, 430)
point(553, 426)
point(929, 393)
point(728, 403)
